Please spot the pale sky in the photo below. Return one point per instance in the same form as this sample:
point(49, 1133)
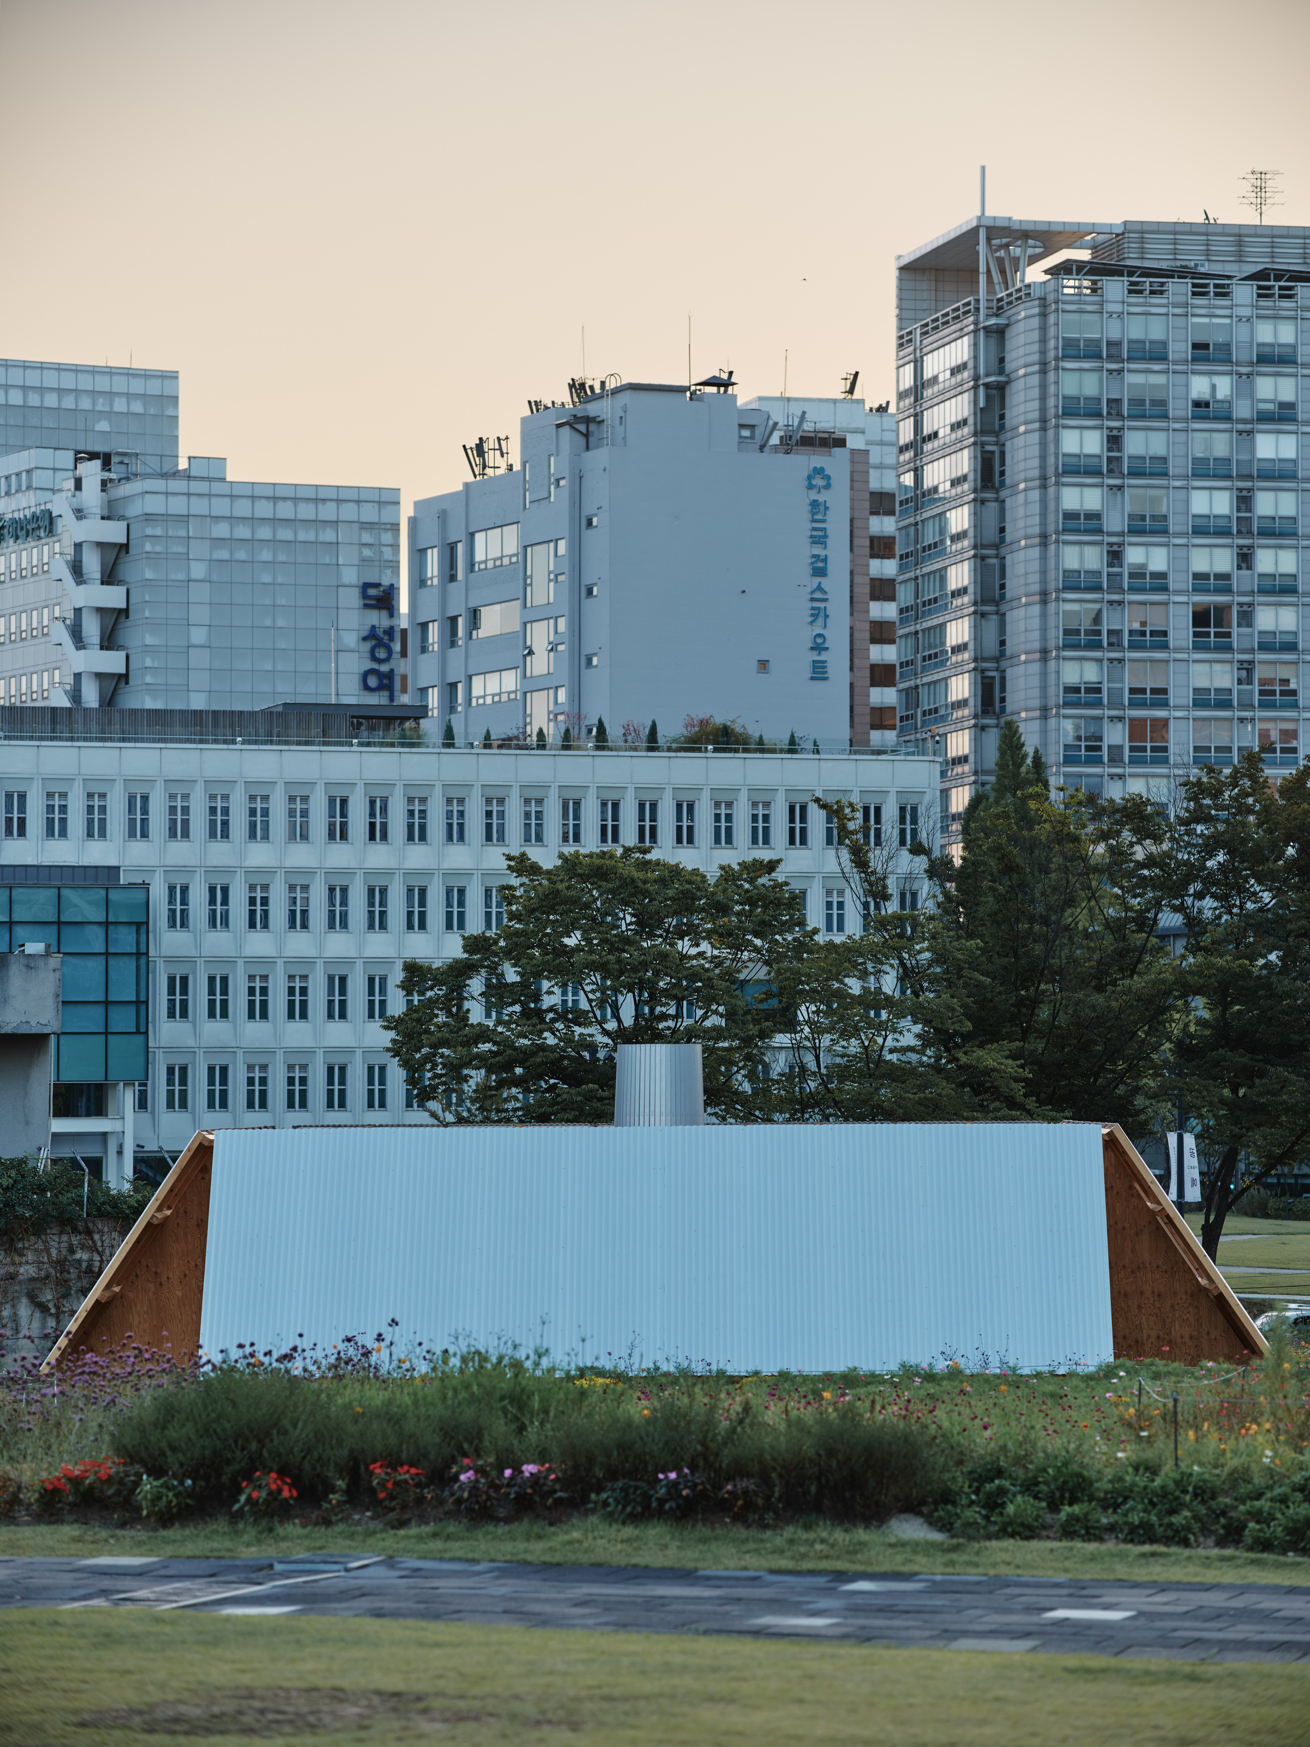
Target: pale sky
point(366, 234)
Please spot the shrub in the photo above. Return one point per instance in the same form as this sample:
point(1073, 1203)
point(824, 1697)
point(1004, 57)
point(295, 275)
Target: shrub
point(264, 1497)
point(1081, 1522)
point(162, 1498)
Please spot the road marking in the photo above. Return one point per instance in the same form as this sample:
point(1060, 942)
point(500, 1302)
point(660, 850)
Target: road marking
point(866, 1584)
point(1091, 1613)
point(258, 1610)
point(794, 1622)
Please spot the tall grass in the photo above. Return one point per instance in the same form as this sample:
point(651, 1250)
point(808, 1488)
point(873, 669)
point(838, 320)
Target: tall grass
point(835, 1458)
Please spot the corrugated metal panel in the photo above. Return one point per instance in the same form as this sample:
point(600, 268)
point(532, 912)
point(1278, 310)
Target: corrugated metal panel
point(774, 1248)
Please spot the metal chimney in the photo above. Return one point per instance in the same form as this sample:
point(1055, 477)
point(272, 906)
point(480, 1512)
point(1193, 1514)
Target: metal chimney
point(659, 1085)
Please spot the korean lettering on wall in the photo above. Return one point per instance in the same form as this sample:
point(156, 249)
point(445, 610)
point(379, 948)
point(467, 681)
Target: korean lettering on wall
point(29, 525)
point(381, 639)
point(817, 481)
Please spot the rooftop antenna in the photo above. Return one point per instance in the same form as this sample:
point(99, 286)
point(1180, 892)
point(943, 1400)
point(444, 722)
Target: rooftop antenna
point(982, 242)
point(848, 384)
point(1261, 191)
point(689, 350)
point(584, 354)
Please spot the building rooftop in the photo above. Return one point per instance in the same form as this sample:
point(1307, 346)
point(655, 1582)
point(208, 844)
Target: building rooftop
point(957, 250)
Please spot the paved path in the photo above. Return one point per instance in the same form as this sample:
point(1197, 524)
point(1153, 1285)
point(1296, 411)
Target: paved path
point(1227, 1622)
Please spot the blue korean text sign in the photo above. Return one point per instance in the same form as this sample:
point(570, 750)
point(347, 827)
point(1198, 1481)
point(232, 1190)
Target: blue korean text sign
point(817, 484)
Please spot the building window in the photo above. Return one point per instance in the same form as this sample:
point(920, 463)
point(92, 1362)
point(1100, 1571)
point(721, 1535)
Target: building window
point(1212, 627)
point(611, 822)
point(1146, 453)
point(1276, 685)
point(220, 915)
point(834, 910)
point(257, 907)
point(179, 818)
point(1080, 450)
point(257, 818)
point(138, 818)
point(1275, 398)
point(416, 909)
point(429, 642)
point(1212, 568)
point(338, 819)
point(257, 998)
point(496, 619)
point(1212, 340)
point(97, 815)
point(141, 1095)
point(375, 997)
point(1212, 684)
point(1212, 454)
point(1080, 393)
point(1275, 626)
point(334, 1090)
point(379, 807)
point(1212, 511)
point(298, 998)
point(723, 826)
point(256, 1085)
point(297, 818)
point(338, 909)
point(1275, 455)
point(493, 908)
point(493, 819)
point(375, 1086)
point(216, 1086)
point(1080, 334)
point(429, 566)
point(1148, 337)
point(455, 561)
point(177, 911)
point(56, 813)
point(338, 997)
point(761, 824)
point(416, 819)
point(1212, 397)
point(798, 825)
point(909, 825)
point(177, 997)
point(500, 687)
point(298, 909)
point(177, 1086)
point(455, 918)
point(16, 813)
point(570, 821)
point(871, 824)
point(493, 547)
point(1277, 742)
point(1275, 512)
point(684, 823)
point(297, 1085)
point(455, 696)
point(1081, 508)
point(1082, 626)
point(1275, 572)
point(375, 909)
point(220, 818)
point(648, 822)
point(1212, 739)
point(534, 819)
point(1148, 682)
point(455, 819)
point(1081, 681)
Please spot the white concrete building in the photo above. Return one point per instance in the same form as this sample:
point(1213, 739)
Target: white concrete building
point(288, 883)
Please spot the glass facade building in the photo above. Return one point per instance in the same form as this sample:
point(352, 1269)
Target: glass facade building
point(1101, 518)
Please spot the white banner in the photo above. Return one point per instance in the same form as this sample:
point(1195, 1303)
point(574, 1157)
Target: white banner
point(1191, 1167)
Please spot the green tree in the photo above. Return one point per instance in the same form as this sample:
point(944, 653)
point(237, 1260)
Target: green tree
point(602, 736)
point(1047, 928)
point(1238, 877)
point(448, 733)
point(598, 949)
point(653, 736)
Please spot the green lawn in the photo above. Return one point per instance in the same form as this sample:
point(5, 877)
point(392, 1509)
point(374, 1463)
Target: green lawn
point(124, 1675)
point(592, 1541)
point(1264, 1243)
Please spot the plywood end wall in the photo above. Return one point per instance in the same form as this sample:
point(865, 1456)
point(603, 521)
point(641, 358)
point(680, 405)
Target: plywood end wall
point(1167, 1298)
point(151, 1291)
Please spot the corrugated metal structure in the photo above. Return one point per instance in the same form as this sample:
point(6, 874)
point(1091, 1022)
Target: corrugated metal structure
point(770, 1248)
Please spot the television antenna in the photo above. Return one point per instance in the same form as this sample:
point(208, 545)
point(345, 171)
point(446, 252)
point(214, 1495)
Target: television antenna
point(1261, 191)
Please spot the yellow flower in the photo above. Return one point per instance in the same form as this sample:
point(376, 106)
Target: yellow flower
point(645, 1413)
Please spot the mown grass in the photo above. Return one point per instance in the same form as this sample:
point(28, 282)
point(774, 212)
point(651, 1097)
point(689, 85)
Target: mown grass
point(124, 1676)
point(689, 1546)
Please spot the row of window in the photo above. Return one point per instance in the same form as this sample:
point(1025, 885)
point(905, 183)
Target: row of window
point(1266, 684)
point(1213, 739)
point(41, 684)
point(1267, 512)
point(1276, 625)
point(259, 909)
point(221, 1081)
point(14, 629)
point(1274, 568)
point(219, 1004)
point(1145, 395)
point(1262, 455)
point(460, 823)
point(27, 561)
point(1147, 337)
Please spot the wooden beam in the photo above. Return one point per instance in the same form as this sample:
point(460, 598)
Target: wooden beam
point(152, 1289)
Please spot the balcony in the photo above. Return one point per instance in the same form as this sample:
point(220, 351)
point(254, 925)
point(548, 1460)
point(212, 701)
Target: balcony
point(82, 658)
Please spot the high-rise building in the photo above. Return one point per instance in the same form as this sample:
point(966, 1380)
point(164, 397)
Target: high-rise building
point(1101, 521)
point(129, 581)
point(663, 552)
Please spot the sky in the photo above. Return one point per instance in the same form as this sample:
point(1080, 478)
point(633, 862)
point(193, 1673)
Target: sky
point(368, 234)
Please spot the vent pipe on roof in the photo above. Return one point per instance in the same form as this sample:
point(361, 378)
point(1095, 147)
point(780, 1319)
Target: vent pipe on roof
point(659, 1085)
